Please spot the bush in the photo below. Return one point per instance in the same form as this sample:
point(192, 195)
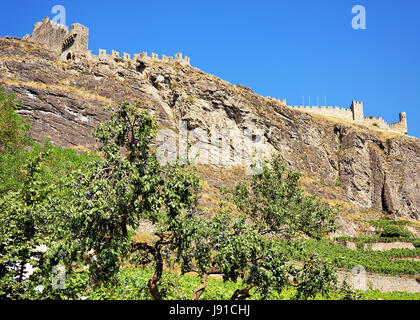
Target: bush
point(13, 127)
point(394, 231)
point(416, 243)
point(383, 223)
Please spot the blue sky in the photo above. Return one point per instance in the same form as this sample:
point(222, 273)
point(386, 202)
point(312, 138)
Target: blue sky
point(284, 49)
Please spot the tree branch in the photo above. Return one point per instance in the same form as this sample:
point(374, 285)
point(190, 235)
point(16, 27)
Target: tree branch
point(242, 294)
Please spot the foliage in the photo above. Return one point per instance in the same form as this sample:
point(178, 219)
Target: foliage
point(59, 162)
point(391, 228)
point(13, 139)
point(338, 181)
point(133, 286)
point(373, 261)
point(33, 211)
point(383, 223)
point(28, 221)
point(276, 204)
point(13, 128)
point(370, 239)
point(394, 231)
point(128, 185)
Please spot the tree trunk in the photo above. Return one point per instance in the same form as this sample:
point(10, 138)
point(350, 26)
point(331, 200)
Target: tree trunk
point(242, 294)
point(154, 290)
point(200, 289)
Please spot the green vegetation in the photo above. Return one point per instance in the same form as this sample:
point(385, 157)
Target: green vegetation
point(370, 239)
point(338, 181)
point(133, 286)
point(190, 99)
point(373, 261)
point(387, 231)
point(382, 223)
point(393, 231)
point(391, 228)
point(58, 207)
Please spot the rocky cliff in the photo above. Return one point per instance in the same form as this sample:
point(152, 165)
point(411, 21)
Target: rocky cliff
point(366, 170)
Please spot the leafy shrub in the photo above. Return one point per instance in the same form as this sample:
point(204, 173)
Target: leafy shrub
point(383, 223)
point(383, 262)
point(13, 127)
point(370, 239)
point(394, 231)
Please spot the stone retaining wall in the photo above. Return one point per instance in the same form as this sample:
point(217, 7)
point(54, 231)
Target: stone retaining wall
point(379, 246)
point(382, 283)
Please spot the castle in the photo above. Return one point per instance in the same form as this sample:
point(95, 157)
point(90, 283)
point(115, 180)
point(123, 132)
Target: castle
point(354, 113)
point(74, 44)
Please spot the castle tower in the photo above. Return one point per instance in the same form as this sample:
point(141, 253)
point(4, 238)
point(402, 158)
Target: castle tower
point(76, 41)
point(403, 121)
point(357, 110)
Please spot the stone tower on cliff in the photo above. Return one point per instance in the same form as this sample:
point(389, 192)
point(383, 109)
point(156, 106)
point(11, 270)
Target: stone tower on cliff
point(76, 41)
point(58, 37)
point(357, 110)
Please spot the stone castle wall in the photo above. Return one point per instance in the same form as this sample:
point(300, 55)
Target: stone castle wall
point(72, 43)
point(49, 33)
point(330, 111)
point(376, 121)
point(354, 113)
point(143, 55)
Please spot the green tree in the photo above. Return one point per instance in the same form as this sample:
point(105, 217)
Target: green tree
point(277, 204)
point(28, 221)
point(13, 128)
point(128, 185)
point(244, 246)
point(13, 139)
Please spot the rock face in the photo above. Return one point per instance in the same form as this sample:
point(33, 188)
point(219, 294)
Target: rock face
point(358, 166)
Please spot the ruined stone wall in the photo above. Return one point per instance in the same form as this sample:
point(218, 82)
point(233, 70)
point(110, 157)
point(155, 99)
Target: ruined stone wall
point(49, 33)
point(376, 121)
point(400, 126)
point(76, 41)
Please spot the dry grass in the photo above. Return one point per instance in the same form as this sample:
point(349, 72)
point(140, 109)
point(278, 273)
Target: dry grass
point(80, 148)
point(80, 92)
point(141, 237)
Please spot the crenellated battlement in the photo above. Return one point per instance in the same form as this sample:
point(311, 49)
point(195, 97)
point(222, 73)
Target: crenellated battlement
point(144, 56)
point(331, 111)
point(354, 113)
point(74, 43)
